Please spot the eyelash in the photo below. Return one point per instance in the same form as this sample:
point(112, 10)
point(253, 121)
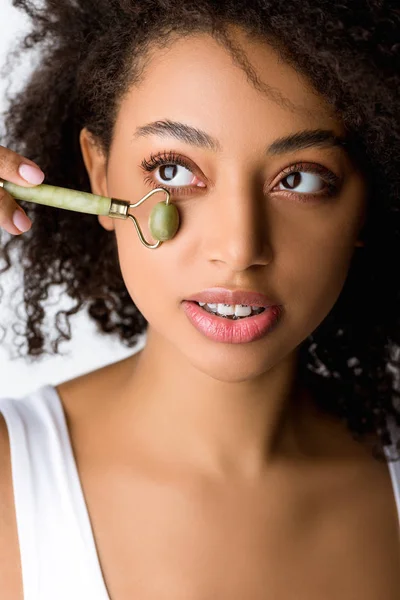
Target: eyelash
point(168, 158)
point(162, 159)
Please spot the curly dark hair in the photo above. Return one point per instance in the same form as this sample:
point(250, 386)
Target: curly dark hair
point(91, 51)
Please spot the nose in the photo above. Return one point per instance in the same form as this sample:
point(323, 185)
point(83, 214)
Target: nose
point(239, 233)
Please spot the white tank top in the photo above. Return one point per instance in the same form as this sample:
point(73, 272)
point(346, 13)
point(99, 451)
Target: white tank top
point(58, 552)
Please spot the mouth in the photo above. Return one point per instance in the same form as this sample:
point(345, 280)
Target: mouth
point(221, 297)
point(233, 312)
point(232, 323)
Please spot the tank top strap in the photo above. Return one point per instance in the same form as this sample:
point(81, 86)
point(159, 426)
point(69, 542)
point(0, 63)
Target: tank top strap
point(57, 548)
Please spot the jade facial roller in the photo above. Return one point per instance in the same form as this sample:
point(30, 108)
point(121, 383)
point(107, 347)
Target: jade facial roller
point(163, 221)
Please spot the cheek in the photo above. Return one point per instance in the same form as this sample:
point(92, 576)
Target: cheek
point(317, 280)
point(146, 273)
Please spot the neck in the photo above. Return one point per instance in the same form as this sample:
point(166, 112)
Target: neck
point(221, 427)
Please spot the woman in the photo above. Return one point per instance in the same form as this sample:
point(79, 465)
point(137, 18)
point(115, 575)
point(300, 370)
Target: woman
point(237, 455)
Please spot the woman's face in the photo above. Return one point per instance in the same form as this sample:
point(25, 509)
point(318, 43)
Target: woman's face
point(241, 226)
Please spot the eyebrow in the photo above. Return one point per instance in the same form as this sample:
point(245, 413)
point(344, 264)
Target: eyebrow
point(196, 137)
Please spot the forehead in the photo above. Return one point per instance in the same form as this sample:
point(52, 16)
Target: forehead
point(246, 85)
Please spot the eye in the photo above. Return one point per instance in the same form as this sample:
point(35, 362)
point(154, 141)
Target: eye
point(309, 180)
point(174, 175)
point(305, 183)
point(171, 171)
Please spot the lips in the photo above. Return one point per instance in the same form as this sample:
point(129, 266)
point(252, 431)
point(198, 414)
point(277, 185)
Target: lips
point(220, 329)
point(224, 296)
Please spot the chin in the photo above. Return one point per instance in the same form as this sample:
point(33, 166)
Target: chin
point(233, 363)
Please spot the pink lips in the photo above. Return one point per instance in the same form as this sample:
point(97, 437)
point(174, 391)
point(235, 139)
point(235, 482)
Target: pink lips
point(224, 296)
point(220, 329)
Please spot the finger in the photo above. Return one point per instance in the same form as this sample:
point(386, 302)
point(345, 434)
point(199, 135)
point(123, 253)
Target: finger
point(19, 170)
point(8, 211)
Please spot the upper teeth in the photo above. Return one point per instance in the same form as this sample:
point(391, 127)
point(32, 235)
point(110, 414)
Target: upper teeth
point(239, 310)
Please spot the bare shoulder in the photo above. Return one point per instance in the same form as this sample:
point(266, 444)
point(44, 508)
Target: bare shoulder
point(10, 564)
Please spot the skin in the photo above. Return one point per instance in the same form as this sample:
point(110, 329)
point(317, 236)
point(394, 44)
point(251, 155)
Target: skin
point(193, 454)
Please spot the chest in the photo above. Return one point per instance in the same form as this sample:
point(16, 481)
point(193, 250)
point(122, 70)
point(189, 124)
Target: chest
point(158, 541)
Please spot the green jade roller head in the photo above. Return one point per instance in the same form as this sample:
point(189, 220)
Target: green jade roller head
point(163, 220)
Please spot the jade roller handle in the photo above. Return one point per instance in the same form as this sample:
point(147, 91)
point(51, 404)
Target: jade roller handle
point(59, 197)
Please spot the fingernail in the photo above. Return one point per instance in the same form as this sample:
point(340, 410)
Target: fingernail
point(21, 221)
point(31, 174)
